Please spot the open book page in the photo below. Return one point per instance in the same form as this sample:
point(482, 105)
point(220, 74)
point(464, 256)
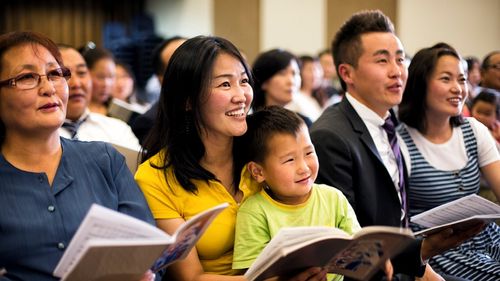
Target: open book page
point(131, 156)
point(187, 236)
point(468, 209)
point(116, 260)
point(287, 237)
point(126, 247)
point(104, 223)
point(358, 257)
point(124, 110)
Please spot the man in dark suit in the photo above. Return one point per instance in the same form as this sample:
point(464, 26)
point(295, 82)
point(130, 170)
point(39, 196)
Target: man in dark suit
point(354, 150)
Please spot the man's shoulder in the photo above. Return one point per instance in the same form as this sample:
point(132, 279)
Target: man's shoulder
point(336, 119)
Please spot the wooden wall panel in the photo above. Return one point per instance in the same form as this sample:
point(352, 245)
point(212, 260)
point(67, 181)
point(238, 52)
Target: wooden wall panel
point(238, 21)
point(69, 22)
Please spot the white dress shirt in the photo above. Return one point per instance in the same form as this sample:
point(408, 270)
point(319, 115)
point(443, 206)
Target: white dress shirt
point(98, 127)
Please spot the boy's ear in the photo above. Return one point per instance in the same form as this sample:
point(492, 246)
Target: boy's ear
point(256, 171)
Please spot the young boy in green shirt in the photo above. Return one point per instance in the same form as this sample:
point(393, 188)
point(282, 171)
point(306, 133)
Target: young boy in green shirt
point(281, 156)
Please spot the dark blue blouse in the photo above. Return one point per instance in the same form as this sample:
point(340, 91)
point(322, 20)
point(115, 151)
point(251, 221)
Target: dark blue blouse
point(37, 221)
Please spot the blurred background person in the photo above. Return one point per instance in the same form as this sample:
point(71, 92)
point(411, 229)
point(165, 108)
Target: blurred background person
point(80, 122)
point(277, 79)
point(142, 124)
point(330, 91)
point(311, 75)
point(102, 68)
point(490, 71)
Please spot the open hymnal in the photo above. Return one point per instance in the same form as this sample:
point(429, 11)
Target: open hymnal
point(124, 110)
point(359, 256)
point(459, 214)
point(110, 245)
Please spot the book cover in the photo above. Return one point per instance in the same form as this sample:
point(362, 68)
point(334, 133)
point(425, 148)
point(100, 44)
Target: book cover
point(295, 249)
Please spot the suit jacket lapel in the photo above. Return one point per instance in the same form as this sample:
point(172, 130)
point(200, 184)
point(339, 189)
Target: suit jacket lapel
point(359, 127)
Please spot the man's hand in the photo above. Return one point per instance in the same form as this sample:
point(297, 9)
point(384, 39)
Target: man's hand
point(447, 239)
point(148, 276)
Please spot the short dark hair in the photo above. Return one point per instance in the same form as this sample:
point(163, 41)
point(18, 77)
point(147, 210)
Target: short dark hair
point(266, 65)
point(347, 46)
point(177, 127)
point(413, 107)
point(471, 60)
point(262, 125)
point(486, 61)
point(19, 38)
point(158, 66)
point(489, 96)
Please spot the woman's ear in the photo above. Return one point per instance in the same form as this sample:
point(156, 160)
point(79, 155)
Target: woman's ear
point(256, 171)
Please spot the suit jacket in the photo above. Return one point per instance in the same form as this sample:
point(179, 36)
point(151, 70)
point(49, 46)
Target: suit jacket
point(350, 162)
point(142, 124)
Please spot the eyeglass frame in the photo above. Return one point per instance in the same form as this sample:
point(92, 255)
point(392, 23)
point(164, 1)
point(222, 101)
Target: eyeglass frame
point(11, 82)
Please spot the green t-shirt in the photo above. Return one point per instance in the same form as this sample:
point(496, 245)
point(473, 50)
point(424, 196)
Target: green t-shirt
point(260, 218)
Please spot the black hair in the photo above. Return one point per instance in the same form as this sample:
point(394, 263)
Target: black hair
point(176, 131)
point(262, 125)
point(158, 66)
point(266, 65)
point(488, 96)
point(347, 46)
point(413, 107)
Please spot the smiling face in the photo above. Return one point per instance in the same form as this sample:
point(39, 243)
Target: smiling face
point(379, 78)
point(280, 87)
point(290, 167)
point(38, 110)
point(80, 83)
point(447, 88)
point(227, 103)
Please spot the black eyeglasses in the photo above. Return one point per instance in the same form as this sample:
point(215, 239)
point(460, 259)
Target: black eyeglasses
point(494, 66)
point(31, 80)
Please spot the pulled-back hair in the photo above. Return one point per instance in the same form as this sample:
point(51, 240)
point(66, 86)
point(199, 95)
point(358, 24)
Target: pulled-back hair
point(176, 130)
point(20, 38)
point(266, 65)
point(262, 126)
point(413, 107)
point(347, 46)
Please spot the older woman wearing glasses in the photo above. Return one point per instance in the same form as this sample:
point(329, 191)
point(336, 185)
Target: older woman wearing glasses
point(48, 183)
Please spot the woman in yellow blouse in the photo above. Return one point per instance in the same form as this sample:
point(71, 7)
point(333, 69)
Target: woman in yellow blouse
point(205, 98)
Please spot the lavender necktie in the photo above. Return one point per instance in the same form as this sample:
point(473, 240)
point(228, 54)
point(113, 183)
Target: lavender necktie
point(393, 140)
